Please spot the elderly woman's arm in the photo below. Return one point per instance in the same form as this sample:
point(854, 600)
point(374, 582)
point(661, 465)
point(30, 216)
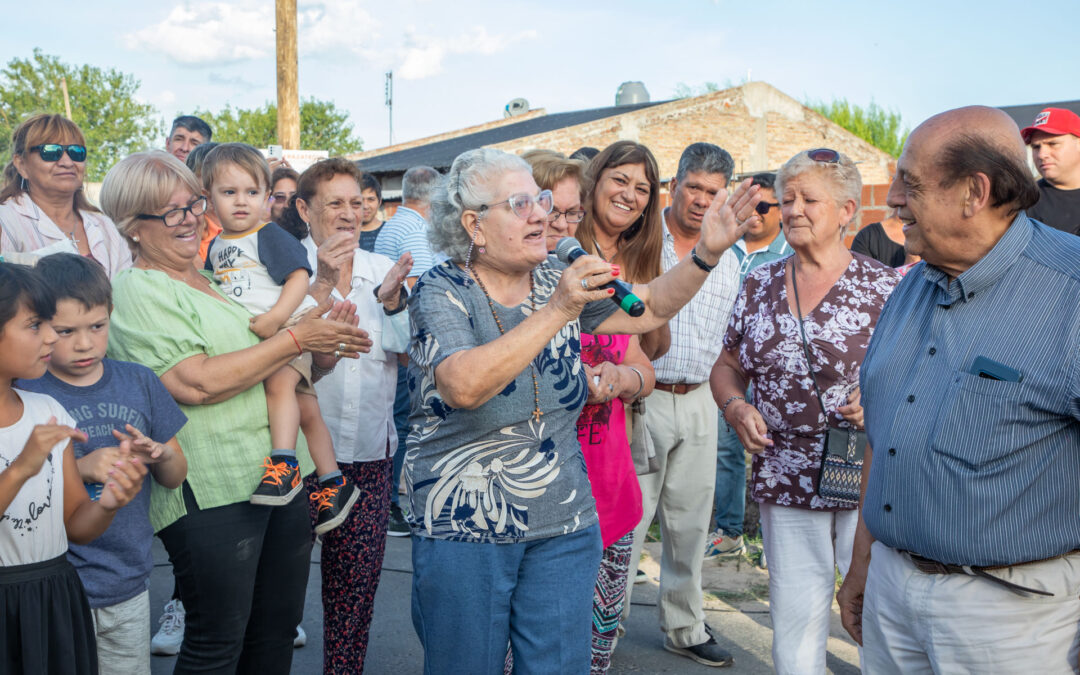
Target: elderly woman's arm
point(666, 295)
point(204, 379)
point(728, 380)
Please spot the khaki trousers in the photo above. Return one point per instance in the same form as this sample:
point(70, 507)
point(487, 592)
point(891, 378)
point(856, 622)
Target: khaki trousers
point(683, 428)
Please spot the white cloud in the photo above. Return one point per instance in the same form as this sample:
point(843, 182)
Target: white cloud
point(219, 33)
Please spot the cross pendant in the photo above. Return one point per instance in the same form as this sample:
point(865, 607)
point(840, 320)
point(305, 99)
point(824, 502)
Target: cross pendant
point(536, 415)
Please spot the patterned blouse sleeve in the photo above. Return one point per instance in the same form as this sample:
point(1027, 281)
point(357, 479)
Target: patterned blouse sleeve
point(441, 321)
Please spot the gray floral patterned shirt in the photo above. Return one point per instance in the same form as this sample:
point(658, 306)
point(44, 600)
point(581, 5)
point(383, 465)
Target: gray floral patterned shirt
point(495, 474)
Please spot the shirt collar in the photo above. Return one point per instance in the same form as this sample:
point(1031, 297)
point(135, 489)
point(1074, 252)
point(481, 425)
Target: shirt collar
point(989, 269)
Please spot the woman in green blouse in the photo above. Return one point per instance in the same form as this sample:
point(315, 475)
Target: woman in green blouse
point(242, 569)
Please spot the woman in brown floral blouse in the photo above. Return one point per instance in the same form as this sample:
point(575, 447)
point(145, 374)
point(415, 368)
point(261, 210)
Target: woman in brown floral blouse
point(841, 295)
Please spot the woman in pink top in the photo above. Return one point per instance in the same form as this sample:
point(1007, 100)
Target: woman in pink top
point(43, 208)
point(618, 372)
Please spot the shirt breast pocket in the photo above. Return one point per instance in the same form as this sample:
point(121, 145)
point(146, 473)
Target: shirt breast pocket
point(979, 420)
point(376, 353)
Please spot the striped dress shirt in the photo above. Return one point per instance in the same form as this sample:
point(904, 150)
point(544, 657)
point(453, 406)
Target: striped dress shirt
point(697, 331)
point(407, 230)
point(969, 470)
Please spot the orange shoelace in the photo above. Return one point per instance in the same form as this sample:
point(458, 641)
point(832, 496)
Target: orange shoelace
point(325, 497)
point(275, 472)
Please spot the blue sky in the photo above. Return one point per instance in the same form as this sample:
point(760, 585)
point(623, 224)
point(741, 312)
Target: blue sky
point(458, 63)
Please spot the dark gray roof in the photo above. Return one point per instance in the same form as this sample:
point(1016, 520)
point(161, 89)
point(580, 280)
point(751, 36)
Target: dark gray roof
point(1024, 115)
point(441, 154)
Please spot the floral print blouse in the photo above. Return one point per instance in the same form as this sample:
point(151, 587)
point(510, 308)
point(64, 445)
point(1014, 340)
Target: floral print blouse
point(764, 334)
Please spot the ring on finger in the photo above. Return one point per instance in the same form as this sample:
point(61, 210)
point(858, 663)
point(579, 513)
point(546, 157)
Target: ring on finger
point(337, 354)
point(611, 387)
point(341, 346)
point(585, 284)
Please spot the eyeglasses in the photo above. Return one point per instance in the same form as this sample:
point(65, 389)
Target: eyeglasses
point(763, 207)
point(51, 152)
point(175, 217)
point(522, 204)
point(826, 155)
point(572, 216)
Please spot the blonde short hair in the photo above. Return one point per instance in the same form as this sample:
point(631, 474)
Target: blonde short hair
point(843, 178)
point(551, 168)
point(143, 183)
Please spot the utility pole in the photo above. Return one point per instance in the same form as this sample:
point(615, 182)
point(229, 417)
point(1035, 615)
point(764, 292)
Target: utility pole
point(67, 99)
point(390, 102)
point(288, 96)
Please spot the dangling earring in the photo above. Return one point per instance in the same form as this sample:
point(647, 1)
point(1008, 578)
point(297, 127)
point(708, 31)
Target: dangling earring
point(468, 255)
point(22, 184)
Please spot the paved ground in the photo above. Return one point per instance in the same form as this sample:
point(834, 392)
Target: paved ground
point(743, 624)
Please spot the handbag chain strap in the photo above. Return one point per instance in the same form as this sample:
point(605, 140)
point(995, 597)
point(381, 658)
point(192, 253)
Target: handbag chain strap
point(805, 345)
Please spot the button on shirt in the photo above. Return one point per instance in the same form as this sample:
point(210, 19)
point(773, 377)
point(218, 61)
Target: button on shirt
point(970, 470)
point(357, 398)
point(30, 234)
point(697, 331)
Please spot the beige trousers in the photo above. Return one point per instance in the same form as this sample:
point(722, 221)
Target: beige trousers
point(683, 428)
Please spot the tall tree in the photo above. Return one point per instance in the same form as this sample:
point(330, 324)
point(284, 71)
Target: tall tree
point(879, 127)
point(103, 104)
point(322, 126)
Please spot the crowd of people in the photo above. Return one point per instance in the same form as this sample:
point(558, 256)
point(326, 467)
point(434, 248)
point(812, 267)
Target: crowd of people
point(238, 358)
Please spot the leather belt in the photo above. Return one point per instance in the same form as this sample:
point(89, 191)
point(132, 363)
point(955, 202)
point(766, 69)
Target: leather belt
point(928, 566)
point(677, 387)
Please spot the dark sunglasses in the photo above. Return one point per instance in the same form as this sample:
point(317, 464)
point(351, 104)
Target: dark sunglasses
point(826, 155)
point(763, 207)
point(176, 217)
point(51, 152)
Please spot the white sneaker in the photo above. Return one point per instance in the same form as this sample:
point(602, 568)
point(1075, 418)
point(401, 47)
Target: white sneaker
point(166, 642)
point(719, 545)
point(301, 638)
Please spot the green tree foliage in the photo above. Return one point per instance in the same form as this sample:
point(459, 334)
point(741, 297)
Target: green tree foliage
point(322, 126)
point(879, 127)
point(103, 104)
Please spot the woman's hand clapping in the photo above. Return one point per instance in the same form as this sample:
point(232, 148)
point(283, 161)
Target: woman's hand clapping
point(605, 382)
point(749, 425)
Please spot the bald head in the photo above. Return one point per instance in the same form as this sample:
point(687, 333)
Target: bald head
point(984, 124)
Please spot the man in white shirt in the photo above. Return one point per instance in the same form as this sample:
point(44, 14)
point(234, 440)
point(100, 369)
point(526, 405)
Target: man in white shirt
point(682, 416)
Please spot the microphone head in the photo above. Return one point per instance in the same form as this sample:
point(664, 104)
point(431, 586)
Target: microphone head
point(564, 247)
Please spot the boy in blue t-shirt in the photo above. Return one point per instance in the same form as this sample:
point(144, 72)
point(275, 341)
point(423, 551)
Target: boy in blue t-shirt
point(111, 401)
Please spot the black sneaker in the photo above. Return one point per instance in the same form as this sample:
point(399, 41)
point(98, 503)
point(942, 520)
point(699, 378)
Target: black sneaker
point(335, 498)
point(398, 526)
point(707, 653)
point(280, 483)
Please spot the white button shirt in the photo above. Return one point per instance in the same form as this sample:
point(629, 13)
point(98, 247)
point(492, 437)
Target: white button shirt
point(29, 234)
point(357, 398)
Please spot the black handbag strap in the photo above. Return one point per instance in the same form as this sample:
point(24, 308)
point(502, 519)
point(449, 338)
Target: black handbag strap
point(805, 344)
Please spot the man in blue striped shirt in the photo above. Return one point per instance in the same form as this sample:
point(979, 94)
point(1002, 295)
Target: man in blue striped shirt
point(971, 389)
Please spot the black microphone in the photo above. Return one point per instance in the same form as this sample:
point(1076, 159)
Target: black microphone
point(569, 249)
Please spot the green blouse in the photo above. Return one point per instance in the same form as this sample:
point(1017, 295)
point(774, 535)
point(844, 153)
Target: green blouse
point(159, 322)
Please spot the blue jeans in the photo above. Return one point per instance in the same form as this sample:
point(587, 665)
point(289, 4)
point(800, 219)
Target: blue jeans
point(469, 600)
point(730, 482)
point(401, 423)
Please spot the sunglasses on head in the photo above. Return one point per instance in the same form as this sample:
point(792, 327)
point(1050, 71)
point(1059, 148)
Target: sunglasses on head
point(763, 207)
point(51, 152)
point(522, 203)
point(826, 155)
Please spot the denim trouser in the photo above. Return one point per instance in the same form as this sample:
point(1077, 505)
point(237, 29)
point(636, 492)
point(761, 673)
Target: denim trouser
point(730, 493)
point(470, 599)
point(401, 423)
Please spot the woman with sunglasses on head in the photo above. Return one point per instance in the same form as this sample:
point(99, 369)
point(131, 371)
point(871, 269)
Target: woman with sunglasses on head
point(798, 334)
point(43, 208)
point(617, 372)
point(506, 540)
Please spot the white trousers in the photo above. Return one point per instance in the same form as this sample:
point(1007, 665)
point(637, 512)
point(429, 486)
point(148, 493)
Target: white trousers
point(683, 428)
point(803, 548)
point(954, 623)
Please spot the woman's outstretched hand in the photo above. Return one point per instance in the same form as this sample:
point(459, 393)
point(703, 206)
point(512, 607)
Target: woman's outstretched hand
point(727, 219)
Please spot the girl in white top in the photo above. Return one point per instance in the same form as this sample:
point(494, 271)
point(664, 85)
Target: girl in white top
point(42, 206)
point(42, 499)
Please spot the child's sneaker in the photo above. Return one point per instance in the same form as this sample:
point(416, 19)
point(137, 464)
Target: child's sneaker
point(166, 642)
point(280, 483)
point(334, 498)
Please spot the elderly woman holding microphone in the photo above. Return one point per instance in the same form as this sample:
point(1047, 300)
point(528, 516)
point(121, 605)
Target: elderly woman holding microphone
point(506, 540)
point(798, 333)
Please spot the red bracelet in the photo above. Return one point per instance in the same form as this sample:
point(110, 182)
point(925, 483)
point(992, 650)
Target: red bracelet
point(298, 348)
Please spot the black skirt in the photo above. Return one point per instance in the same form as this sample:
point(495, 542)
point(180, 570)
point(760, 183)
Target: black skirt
point(45, 623)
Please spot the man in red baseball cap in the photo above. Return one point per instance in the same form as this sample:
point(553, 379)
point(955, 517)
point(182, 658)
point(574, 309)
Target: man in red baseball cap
point(1054, 138)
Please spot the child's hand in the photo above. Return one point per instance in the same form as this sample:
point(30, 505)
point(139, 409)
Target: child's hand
point(124, 480)
point(144, 447)
point(264, 325)
point(94, 467)
point(42, 440)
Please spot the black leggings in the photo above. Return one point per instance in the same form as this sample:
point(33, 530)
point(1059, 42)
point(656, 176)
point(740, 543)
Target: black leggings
point(242, 570)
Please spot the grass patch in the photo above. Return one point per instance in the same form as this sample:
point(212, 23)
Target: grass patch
point(758, 592)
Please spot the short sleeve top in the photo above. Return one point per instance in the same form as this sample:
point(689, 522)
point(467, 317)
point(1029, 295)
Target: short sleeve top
point(496, 474)
point(159, 322)
point(764, 334)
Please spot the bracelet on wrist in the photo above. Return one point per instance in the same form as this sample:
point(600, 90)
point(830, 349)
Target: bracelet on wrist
point(295, 341)
point(699, 261)
point(641, 383)
point(732, 399)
